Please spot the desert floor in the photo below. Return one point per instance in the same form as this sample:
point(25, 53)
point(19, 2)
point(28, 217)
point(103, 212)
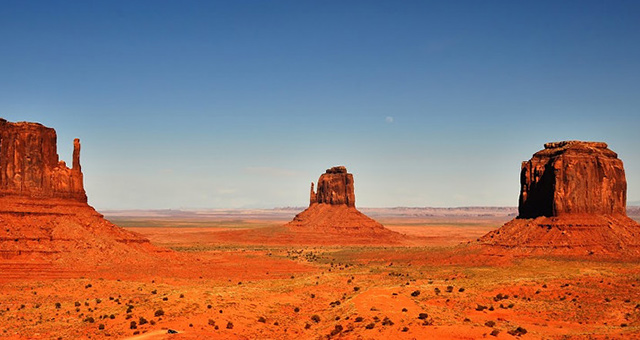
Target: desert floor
point(437, 288)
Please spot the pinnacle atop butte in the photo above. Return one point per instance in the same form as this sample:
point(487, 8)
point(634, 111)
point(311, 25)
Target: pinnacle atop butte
point(572, 202)
point(332, 214)
point(44, 214)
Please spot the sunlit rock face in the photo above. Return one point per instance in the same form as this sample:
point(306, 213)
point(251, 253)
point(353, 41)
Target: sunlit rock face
point(29, 164)
point(335, 187)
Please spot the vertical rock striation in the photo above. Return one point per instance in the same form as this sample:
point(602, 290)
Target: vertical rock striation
point(29, 164)
point(335, 187)
point(572, 177)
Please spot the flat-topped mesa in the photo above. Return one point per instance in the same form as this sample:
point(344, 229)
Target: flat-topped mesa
point(29, 164)
point(572, 177)
point(335, 187)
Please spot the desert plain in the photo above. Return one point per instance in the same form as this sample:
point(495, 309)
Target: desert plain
point(218, 282)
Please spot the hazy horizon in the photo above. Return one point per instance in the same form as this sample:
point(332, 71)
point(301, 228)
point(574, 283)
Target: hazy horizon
point(243, 105)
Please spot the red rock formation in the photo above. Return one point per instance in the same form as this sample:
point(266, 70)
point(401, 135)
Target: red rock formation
point(43, 206)
point(335, 187)
point(332, 215)
point(29, 164)
point(572, 177)
point(572, 202)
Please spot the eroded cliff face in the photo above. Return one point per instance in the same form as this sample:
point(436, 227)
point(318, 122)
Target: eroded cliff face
point(29, 164)
point(335, 187)
point(573, 177)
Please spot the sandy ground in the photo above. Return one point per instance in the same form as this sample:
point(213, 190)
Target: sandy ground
point(436, 290)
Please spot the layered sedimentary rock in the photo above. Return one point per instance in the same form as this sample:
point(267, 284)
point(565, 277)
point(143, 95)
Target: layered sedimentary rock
point(573, 202)
point(43, 206)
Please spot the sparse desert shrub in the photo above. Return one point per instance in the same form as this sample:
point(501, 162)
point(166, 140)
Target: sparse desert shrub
point(98, 300)
point(518, 331)
point(437, 290)
point(88, 286)
point(90, 319)
point(159, 313)
point(449, 289)
point(480, 308)
point(370, 326)
point(182, 296)
point(415, 293)
point(133, 325)
point(211, 322)
point(101, 326)
point(404, 310)
point(461, 290)
point(307, 326)
point(209, 306)
point(355, 289)
point(315, 318)
point(77, 304)
point(358, 319)
point(337, 329)
point(495, 332)
point(142, 321)
point(387, 322)
point(229, 325)
point(154, 292)
point(58, 305)
point(262, 319)
point(112, 316)
point(297, 309)
point(405, 329)
point(423, 316)
point(490, 323)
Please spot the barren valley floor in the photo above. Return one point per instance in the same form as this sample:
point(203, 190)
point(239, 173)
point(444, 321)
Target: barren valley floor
point(434, 289)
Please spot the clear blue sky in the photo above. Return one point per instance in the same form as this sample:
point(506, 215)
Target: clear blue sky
point(188, 104)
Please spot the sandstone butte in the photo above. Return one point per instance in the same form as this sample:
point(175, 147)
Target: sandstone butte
point(44, 214)
point(330, 219)
point(332, 211)
point(572, 202)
